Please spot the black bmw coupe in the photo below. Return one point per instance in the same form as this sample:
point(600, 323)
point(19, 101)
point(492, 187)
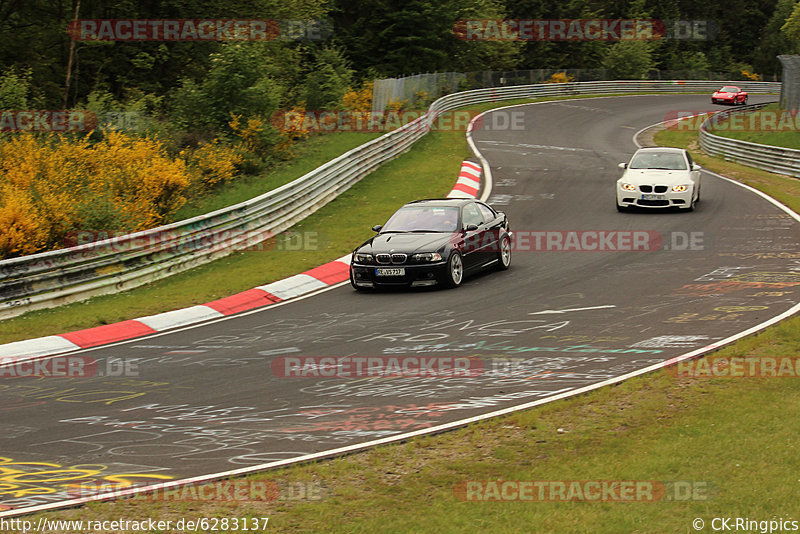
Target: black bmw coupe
point(429, 242)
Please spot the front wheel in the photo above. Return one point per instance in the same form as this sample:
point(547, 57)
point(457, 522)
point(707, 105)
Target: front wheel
point(455, 270)
point(353, 282)
point(504, 254)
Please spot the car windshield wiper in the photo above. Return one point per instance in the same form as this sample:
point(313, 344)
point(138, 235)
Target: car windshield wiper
point(428, 231)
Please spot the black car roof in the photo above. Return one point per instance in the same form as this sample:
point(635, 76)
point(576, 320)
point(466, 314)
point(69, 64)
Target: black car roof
point(455, 202)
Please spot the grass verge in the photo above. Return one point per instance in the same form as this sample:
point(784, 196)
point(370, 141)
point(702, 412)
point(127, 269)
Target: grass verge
point(769, 125)
point(733, 440)
point(429, 170)
point(783, 188)
point(308, 155)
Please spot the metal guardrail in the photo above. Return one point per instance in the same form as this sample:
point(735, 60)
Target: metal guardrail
point(67, 275)
point(776, 159)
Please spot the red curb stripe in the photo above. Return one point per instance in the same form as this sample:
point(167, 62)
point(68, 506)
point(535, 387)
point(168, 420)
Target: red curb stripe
point(466, 188)
point(331, 273)
point(246, 300)
point(108, 333)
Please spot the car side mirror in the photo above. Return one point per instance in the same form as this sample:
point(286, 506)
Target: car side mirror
point(377, 228)
point(471, 227)
point(623, 165)
point(696, 167)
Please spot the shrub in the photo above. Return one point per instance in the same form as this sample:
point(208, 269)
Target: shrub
point(50, 186)
point(14, 89)
point(560, 77)
point(359, 99)
point(213, 164)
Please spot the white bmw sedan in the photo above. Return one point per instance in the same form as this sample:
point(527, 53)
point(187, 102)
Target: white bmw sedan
point(659, 177)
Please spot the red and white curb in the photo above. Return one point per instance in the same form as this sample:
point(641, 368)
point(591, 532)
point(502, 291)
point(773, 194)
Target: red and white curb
point(469, 181)
point(326, 275)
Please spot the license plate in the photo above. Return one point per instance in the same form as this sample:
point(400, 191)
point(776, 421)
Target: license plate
point(390, 272)
point(654, 197)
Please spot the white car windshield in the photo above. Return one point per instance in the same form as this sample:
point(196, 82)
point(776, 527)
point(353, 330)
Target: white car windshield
point(729, 89)
point(423, 219)
point(659, 160)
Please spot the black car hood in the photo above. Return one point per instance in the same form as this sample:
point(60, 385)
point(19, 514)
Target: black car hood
point(407, 243)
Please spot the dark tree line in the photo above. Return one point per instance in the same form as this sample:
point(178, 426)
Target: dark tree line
point(370, 38)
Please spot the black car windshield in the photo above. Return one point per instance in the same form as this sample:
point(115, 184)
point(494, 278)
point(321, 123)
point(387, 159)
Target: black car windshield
point(729, 89)
point(423, 219)
point(672, 161)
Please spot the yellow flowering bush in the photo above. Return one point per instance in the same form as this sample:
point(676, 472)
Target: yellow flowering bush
point(359, 99)
point(396, 105)
point(292, 126)
point(50, 186)
point(20, 229)
point(213, 163)
point(248, 133)
point(751, 75)
point(560, 77)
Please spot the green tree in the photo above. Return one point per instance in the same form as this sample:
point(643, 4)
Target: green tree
point(775, 41)
point(484, 55)
point(693, 62)
point(328, 80)
point(791, 26)
point(396, 37)
point(234, 85)
point(15, 88)
point(628, 60)
point(555, 54)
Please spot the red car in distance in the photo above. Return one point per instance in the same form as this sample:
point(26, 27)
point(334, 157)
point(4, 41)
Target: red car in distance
point(730, 94)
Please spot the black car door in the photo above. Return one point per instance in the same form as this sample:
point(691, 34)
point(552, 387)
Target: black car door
point(493, 222)
point(477, 240)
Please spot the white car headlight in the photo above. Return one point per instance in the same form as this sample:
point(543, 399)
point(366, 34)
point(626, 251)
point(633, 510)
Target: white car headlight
point(680, 188)
point(628, 187)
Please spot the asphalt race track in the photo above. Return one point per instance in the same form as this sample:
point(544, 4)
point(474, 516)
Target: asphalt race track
point(214, 398)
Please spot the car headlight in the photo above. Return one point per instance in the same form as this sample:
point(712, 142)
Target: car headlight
point(628, 187)
point(427, 257)
point(680, 188)
point(363, 258)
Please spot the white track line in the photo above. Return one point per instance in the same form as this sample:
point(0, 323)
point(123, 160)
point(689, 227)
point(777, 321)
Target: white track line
point(560, 394)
